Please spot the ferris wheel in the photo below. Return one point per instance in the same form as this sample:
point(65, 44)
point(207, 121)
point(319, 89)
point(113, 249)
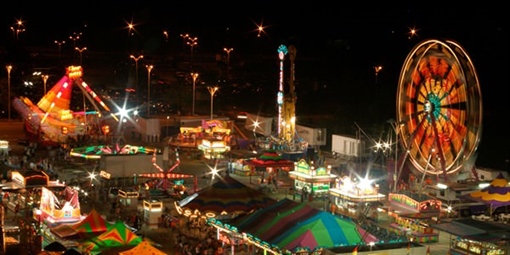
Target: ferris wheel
point(439, 104)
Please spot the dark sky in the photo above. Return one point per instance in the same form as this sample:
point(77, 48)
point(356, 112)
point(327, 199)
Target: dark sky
point(367, 34)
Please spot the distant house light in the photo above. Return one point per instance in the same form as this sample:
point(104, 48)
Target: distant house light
point(483, 185)
point(442, 186)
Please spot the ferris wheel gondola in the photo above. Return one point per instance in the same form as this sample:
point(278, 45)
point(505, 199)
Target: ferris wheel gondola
point(440, 104)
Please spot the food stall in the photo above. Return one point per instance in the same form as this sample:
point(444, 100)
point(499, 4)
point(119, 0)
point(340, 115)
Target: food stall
point(310, 181)
point(213, 148)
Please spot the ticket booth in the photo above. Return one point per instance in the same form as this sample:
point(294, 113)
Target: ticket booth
point(152, 210)
point(129, 199)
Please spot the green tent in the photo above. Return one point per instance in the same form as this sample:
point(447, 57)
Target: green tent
point(117, 236)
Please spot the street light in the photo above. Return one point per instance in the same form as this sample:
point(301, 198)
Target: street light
point(377, 69)
point(80, 50)
point(59, 43)
point(194, 76)
point(212, 91)
point(184, 37)
point(228, 58)
point(9, 68)
point(74, 37)
point(45, 79)
point(192, 42)
point(228, 55)
point(397, 127)
point(165, 33)
point(136, 70)
point(149, 69)
point(16, 31)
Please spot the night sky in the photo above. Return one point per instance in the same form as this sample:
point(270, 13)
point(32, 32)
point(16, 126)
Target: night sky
point(337, 46)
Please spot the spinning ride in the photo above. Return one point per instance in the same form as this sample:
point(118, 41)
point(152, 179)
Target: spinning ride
point(439, 104)
point(52, 122)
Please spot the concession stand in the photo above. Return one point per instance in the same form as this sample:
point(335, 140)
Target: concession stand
point(310, 181)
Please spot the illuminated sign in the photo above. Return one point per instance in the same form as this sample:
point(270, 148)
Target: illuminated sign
point(74, 71)
point(105, 174)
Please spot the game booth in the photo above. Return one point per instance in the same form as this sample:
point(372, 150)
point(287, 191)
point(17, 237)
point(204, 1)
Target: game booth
point(413, 214)
point(57, 208)
point(310, 181)
point(129, 199)
point(152, 211)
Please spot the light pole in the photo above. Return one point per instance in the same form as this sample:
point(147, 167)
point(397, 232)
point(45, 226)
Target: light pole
point(212, 91)
point(45, 79)
point(74, 37)
point(184, 37)
point(149, 69)
point(136, 70)
point(192, 42)
point(228, 55)
point(59, 43)
point(228, 50)
point(165, 33)
point(9, 68)
point(194, 76)
point(377, 69)
point(80, 50)
point(397, 126)
point(16, 31)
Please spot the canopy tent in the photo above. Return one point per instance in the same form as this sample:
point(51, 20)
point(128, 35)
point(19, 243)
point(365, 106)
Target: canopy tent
point(227, 197)
point(93, 223)
point(291, 226)
point(270, 158)
point(117, 236)
point(143, 248)
point(71, 252)
point(497, 194)
point(55, 247)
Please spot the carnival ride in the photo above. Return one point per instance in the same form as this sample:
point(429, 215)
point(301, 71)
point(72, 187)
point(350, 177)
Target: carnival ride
point(96, 151)
point(439, 105)
point(52, 122)
point(439, 122)
point(286, 101)
point(164, 175)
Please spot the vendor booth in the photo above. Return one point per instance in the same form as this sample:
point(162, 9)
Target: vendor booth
point(472, 237)
point(129, 199)
point(310, 181)
point(413, 214)
point(352, 196)
point(213, 148)
point(152, 210)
